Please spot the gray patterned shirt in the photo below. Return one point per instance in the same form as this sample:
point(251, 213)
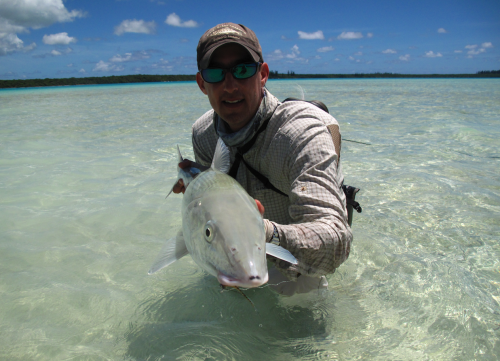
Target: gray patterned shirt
point(296, 153)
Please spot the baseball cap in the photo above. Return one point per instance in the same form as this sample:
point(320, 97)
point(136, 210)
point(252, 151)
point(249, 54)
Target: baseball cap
point(223, 34)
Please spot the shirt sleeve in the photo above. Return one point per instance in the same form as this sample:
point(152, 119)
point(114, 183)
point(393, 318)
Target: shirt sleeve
point(318, 235)
point(204, 139)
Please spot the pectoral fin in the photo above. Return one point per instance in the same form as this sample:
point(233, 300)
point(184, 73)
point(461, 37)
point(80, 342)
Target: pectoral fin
point(281, 253)
point(174, 249)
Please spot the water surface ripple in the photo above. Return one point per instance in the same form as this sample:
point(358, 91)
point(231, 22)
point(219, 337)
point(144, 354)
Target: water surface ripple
point(83, 176)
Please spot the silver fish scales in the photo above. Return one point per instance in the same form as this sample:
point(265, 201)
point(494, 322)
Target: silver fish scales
point(222, 228)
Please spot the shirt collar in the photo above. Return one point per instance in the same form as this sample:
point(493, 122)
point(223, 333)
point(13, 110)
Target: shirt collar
point(245, 134)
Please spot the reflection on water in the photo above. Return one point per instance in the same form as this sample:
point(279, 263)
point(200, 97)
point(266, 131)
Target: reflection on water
point(83, 176)
point(215, 325)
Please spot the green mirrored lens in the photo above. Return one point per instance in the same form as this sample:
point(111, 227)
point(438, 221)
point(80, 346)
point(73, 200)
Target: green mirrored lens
point(244, 71)
point(213, 75)
point(241, 71)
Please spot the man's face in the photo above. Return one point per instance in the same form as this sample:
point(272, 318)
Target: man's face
point(235, 100)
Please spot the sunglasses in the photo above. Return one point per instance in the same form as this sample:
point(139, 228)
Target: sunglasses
point(240, 71)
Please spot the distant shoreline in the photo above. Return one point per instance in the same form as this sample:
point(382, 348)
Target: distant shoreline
point(141, 78)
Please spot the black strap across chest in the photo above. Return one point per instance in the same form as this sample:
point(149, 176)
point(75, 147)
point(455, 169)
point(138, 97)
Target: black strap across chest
point(240, 151)
point(349, 191)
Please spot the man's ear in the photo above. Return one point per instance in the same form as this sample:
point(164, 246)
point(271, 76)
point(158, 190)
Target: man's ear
point(264, 74)
point(201, 83)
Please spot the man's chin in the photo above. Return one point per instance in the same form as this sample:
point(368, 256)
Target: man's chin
point(236, 121)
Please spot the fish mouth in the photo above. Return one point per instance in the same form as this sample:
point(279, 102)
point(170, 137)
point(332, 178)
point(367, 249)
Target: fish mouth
point(247, 282)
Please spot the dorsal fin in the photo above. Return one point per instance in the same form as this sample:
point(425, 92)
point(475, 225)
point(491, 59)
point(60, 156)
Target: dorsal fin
point(221, 160)
point(179, 155)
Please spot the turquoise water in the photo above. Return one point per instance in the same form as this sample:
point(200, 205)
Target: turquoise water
point(83, 176)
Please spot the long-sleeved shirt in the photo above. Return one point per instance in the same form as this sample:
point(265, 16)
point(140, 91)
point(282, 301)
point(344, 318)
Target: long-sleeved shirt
point(296, 153)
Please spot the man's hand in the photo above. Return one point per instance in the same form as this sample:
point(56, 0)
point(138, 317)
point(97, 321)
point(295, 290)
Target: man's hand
point(186, 163)
point(179, 187)
point(260, 207)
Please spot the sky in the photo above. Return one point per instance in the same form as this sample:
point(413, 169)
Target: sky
point(83, 38)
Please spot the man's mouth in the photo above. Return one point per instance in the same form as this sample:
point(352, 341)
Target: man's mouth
point(232, 101)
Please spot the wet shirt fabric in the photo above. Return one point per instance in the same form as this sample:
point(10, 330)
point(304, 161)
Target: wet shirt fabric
point(296, 153)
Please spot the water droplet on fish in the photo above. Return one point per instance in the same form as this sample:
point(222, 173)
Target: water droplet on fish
point(260, 325)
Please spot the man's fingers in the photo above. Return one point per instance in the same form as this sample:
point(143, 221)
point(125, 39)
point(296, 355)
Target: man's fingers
point(179, 187)
point(260, 207)
point(186, 163)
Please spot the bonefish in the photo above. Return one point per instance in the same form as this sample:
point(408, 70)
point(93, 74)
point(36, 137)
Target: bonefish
point(222, 228)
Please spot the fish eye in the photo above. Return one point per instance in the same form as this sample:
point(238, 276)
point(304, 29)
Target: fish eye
point(209, 232)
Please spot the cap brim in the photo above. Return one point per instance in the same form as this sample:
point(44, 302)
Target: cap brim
point(205, 61)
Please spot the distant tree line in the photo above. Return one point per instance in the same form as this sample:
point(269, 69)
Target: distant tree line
point(489, 72)
point(276, 75)
point(292, 75)
point(141, 78)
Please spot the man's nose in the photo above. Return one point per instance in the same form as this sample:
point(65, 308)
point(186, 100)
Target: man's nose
point(230, 83)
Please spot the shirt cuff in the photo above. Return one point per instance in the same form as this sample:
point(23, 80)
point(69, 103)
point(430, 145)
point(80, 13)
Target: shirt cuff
point(269, 227)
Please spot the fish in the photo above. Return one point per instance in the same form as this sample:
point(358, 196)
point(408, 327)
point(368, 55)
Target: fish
point(222, 228)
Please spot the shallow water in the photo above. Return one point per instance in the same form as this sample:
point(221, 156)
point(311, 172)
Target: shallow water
point(83, 176)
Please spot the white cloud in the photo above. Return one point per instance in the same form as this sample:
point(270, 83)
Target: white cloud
point(82, 71)
point(135, 26)
point(318, 35)
point(162, 64)
point(292, 56)
point(174, 20)
point(369, 35)
point(35, 14)
point(55, 53)
point(275, 55)
point(107, 67)
point(458, 51)
point(389, 51)
point(9, 43)
point(359, 53)
point(441, 31)
point(405, 57)
point(474, 50)
point(138, 55)
point(431, 54)
point(349, 35)
point(325, 49)
point(118, 58)
point(58, 39)
point(19, 16)
point(295, 52)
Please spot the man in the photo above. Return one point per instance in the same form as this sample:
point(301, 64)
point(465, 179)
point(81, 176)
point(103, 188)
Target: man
point(281, 153)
